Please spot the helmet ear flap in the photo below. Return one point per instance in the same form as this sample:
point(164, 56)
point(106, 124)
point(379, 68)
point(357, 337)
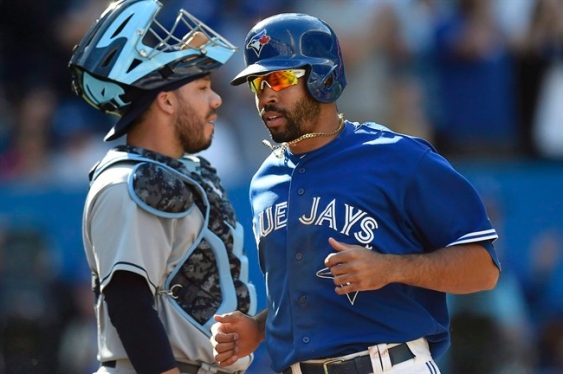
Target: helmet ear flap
point(325, 87)
point(108, 96)
point(329, 81)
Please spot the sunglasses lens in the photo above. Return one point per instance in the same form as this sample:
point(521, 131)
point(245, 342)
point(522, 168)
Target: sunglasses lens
point(255, 84)
point(277, 80)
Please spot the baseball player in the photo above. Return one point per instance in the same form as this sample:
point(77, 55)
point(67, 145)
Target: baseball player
point(160, 234)
point(361, 231)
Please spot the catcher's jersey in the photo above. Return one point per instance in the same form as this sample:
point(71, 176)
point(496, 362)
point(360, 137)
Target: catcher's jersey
point(370, 186)
point(169, 221)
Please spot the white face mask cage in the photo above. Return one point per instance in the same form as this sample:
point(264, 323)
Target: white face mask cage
point(196, 35)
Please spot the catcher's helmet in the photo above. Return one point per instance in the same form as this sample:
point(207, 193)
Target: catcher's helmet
point(127, 53)
point(292, 40)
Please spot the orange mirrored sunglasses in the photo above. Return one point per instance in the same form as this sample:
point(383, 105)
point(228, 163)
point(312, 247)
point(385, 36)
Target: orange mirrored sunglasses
point(276, 80)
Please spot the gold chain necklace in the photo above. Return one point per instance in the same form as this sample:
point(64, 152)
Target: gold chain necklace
point(283, 146)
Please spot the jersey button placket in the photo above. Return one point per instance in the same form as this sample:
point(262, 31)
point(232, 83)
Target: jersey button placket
point(299, 256)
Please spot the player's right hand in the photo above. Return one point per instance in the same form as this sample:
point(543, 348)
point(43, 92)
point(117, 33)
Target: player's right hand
point(234, 335)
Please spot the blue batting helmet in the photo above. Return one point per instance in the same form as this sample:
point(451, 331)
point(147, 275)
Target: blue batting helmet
point(293, 40)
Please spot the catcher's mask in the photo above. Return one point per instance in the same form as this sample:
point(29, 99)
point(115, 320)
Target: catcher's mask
point(127, 53)
point(295, 40)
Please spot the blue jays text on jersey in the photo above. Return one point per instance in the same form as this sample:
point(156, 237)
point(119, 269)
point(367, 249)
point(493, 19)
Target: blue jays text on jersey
point(275, 218)
point(372, 187)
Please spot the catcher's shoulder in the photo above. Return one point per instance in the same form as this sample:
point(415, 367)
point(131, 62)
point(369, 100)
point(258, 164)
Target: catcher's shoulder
point(160, 190)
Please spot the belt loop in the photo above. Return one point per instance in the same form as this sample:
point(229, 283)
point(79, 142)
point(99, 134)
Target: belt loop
point(204, 368)
point(384, 357)
point(329, 362)
point(380, 359)
point(376, 363)
point(296, 368)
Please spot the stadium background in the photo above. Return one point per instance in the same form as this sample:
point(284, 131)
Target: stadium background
point(480, 79)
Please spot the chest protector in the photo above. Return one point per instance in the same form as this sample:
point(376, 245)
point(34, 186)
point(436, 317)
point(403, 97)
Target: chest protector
point(212, 276)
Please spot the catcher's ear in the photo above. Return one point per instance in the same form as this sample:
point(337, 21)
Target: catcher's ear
point(165, 101)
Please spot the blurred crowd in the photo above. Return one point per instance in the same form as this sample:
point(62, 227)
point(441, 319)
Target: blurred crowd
point(480, 79)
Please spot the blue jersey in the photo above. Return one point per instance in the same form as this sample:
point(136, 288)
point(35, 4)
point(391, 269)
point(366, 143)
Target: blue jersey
point(372, 187)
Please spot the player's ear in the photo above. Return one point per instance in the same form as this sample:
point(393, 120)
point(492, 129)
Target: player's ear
point(165, 101)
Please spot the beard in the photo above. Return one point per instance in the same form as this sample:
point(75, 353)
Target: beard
point(304, 111)
point(189, 128)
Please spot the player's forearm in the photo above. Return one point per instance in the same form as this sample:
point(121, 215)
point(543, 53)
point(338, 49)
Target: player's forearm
point(460, 269)
point(129, 303)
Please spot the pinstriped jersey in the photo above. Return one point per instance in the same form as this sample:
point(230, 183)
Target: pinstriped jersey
point(372, 187)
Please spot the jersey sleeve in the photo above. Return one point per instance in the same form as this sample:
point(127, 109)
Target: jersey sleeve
point(444, 209)
point(127, 237)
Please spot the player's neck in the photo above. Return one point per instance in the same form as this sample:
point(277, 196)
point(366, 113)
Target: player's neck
point(311, 140)
point(155, 141)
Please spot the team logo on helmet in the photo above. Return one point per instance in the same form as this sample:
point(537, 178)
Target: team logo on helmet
point(258, 42)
